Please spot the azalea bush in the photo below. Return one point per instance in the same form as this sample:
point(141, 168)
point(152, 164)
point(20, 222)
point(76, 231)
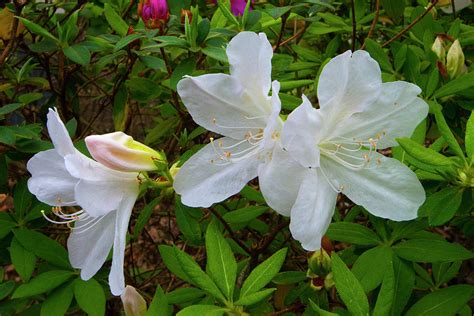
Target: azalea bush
point(296, 157)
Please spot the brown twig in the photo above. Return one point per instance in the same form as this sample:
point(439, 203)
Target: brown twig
point(409, 26)
point(284, 18)
point(374, 22)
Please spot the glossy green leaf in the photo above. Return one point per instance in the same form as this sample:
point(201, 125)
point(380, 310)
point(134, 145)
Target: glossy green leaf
point(422, 250)
point(43, 247)
point(221, 263)
point(349, 288)
point(352, 233)
point(263, 273)
point(114, 20)
point(90, 296)
point(446, 301)
point(23, 260)
point(195, 273)
point(58, 301)
point(42, 283)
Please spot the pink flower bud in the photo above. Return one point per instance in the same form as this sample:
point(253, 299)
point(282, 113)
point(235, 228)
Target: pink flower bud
point(155, 13)
point(120, 152)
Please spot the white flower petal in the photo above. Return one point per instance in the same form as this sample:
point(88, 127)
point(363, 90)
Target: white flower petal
point(206, 178)
point(220, 103)
point(99, 189)
point(313, 210)
point(116, 277)
point(395, 114)
point(274, 125)
point(349, 83)
point(59, 135)
point(82, 167)
point(280, 179)
point(90, 242)
point(250, 56)
point(385, 187)
point(50, 182)
point(300, 134)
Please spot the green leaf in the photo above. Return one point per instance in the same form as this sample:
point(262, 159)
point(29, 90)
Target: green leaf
point(6, 224)
point(43, 283)
point(469, 138)
point(43, 247)
point(221, 263)
point(387, 292)
point(23, 260)
point(254, 297)
point(6, 288)
point(394, 8)
point(202, 310)
point(120, 109)
point(189, 226)
point(168, 255)
point(371, 266)
point(293, 84)
point(218, 53)
point(423, 250)
point(195, 273)
point(457, 85)
point(90, 296)
point(159, 304)
point(263, 273)
point(144, 216)
point(404, 284)
point(30, 97)
point(36, 29)
point(224, 7)
point(423, 154)
point(442, 205)
point(377, 53)
point(78, 54)
point(319, 310)
point(186, 67)
point(58, 301)
point(349, 288)
point(115, 21)
point(124, 41)
point(446, 301)
point(352, 233)
point(244, 215)
point(184, 295)
point(446, 131)
point(22, 198)
point(10, 108)
point(143, 89)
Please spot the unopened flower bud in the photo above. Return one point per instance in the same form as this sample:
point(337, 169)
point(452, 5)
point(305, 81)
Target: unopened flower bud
point(438, 49)
point(154, 13)
point(133, 303)
point(174, 170)
point(120, 152)
point(320, 263)
point(455, 60)
point(238, 6)
point(186, 13)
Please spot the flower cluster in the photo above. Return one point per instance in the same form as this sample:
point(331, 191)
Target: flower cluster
point(302, 163)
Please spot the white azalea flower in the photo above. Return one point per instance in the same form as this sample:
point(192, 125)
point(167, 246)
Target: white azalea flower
point(334, 149)
point(63, 176)
point(238, 107)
